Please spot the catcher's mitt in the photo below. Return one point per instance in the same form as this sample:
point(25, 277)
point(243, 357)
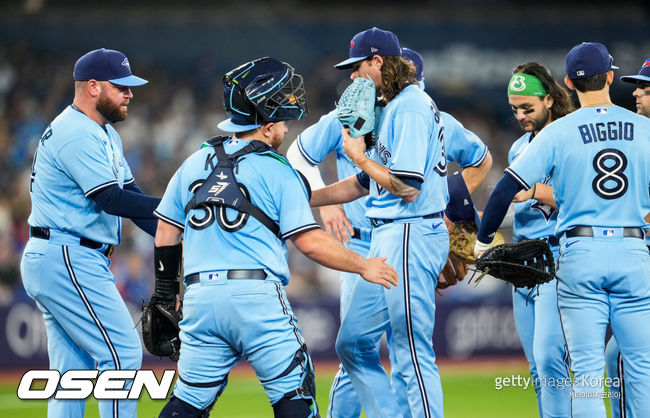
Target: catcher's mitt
point(462, 238)
point(356, 108)
point(160, 329)
point(524, 264)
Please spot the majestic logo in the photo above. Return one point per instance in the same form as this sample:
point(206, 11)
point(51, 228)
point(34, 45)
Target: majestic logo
point(109, 384)
point(126, 63)
point(518, 83)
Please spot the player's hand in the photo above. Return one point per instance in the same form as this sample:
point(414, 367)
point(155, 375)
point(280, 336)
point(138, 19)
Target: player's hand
point(523, 195)
point(355, 148)
point(377, 271)
point(453, 272)
point(336, 223)
point(480, 248)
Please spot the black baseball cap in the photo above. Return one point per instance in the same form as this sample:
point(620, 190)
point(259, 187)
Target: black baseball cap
point(371, 42)
point(587, 59)
point(644, 74)
point(106, 65)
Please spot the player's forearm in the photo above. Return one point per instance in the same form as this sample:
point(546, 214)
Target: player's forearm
point(474, 176)
point(167, 234)
point(497, 207)
point(325, 250)
point(544, 194)
point(385, 179)
point(344, 191)
point(126, 203)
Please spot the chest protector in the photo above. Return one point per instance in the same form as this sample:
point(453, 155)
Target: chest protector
point(221, 187)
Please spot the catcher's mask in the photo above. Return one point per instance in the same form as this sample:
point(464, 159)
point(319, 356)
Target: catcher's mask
point(262, 91)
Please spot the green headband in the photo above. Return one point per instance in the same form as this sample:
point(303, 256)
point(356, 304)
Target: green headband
point(526, 85)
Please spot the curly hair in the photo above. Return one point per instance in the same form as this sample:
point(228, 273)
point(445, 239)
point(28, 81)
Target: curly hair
point(562, 104)
point(396, 74)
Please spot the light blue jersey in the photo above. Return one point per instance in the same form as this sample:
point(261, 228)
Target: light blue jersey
point(411, 145)
point(76, 158)
point(225, 239)
point(319, 140)
point(598, 159)
point(533, 219)
point(462, 146)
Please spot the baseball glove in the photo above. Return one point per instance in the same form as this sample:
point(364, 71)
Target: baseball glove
point(524, 264)
point(160, 329)
point(356, 108)
point(462, 238)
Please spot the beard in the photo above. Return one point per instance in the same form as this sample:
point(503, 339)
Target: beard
point(112, 112)
point(539, 122)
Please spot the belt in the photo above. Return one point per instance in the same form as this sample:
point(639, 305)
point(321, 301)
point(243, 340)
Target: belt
point(256, 274)
point(44, 233)
point(587, 231)
point(359, 234)
point(378, 221)
point(553, 241)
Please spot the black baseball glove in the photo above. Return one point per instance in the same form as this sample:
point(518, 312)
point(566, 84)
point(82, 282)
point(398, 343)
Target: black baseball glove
point(160, 329)
point(524, 264)
point(160, 326)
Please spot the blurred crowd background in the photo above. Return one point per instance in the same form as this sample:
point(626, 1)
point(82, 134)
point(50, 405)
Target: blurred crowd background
point(469, 47)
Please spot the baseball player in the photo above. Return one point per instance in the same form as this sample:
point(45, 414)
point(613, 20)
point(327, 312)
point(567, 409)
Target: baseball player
point(613, 356)
point(408, 192)
point(536, 100)
point(81, 187)
point(309, 150)
point(598, 161)
point(238, 194)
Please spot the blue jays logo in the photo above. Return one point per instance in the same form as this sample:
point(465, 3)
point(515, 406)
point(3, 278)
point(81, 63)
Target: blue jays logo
point(546, 210)
point(126, 63)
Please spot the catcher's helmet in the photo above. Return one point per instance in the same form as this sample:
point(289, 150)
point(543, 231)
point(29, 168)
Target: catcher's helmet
point(262, 91)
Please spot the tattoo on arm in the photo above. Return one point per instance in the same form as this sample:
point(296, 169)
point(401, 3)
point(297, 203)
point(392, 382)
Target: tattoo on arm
point(402, 190)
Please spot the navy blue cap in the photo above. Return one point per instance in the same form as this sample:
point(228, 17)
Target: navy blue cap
point(106, 65)
point(371, 42)
point(587, 59)
point(416, 59)
point(644, 74)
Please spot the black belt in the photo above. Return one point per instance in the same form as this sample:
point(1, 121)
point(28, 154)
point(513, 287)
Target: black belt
point(587, 231)
point(257, 274)
point(44, 233)
point(553, 241)
point(378, 221)
point(357, 233)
